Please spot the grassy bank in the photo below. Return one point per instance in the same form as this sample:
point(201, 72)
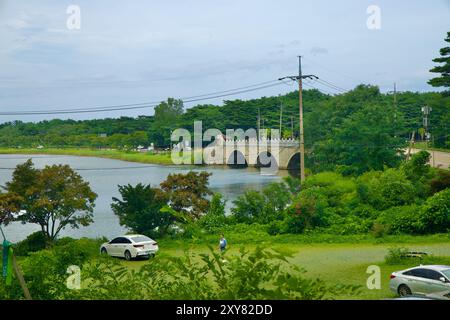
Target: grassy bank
point(336, 263)
point(345, 261)
point(335, 259)
point(132, 156)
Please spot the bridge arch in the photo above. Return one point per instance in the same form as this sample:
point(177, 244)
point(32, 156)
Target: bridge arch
point(294, 162)
point(265, 159)
point(237, 160)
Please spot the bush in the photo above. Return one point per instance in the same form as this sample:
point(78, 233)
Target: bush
point(435, 213)
point(215, 219)
point(307, 210)
point(379, 230)
point(34, 242)
point(277, 227)
point(396, 255)
point(390, 189)
point(399, 220)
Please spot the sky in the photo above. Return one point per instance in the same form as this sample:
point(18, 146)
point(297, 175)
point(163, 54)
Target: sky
point(137, 51)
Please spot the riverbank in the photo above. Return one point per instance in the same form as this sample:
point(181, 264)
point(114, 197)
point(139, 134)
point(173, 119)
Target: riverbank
point(131, 156)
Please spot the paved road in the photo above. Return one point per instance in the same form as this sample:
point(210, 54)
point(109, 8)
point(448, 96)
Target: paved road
point(439, 159)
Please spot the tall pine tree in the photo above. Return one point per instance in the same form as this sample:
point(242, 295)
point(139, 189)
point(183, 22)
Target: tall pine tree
point(444, 70)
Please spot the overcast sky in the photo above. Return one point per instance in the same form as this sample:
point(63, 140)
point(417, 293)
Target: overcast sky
point(137, 51)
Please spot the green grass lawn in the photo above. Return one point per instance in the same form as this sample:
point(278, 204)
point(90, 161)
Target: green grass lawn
point(344, 263)
point(132, 156)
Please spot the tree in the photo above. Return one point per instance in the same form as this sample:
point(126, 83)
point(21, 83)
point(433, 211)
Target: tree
point(187, 193)
point(364, 141)
point(165, 119)
point(9, 207)
point(215, 217)
point(444, 70)
point(140, 209)
point(54, 197)
point(390, 189)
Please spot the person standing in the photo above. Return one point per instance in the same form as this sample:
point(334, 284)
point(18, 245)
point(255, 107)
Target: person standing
point(222, 243)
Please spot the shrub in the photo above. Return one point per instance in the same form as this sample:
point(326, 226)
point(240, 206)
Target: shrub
point(435, 213)
point(400, 219)
point(379, 230)
point(307, 211)
point(440, 182)
point(215, 219)
point(34, 242)
point(396, 255)
point(390, 189)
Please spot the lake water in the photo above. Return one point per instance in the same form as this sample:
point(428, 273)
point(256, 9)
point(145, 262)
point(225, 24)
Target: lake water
point(104, 175)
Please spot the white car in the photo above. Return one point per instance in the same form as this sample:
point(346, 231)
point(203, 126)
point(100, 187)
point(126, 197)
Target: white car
point(130, 246)
point(422, 280)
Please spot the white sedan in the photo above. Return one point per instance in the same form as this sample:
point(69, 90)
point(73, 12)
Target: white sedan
point(422, 280)
point(130, 246)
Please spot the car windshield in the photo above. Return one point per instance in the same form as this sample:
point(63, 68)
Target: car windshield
point(446, 273)
point(140, 239)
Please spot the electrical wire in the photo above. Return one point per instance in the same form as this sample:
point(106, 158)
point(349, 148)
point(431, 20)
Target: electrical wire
point(213, 95)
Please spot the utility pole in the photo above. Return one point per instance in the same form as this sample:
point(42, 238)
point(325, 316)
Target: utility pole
point(299, 79)
point(395, 109)
point(426, 112)
point(258, 122)
point(281, 119)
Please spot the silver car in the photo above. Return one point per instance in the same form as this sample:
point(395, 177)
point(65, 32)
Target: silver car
point(422, 280)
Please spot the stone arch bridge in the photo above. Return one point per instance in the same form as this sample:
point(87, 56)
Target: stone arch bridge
point(273, 153)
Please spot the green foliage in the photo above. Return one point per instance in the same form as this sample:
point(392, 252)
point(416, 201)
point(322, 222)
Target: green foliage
point(140, 209)
point(444, 70)
point(364, 141)
point(432, 217)
point(249, 207)
point(34, 242)
point(165, 120)
point(441, 181)
point(187, 193)
point(214, 220)
point(262, 207)
point(45, 271)
point(435, 213)
point(307, 210)
point(396, 255)
point(391, 188)
point(55, 197)
point(260, 274)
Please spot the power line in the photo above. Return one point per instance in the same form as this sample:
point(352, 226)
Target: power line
point(331, 85)
point(213, 95)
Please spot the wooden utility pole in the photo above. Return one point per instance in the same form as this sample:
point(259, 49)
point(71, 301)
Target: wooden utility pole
point(411, 143)
point(299, 79)
point(22, 282)
point(300, 103)
point(281, 119)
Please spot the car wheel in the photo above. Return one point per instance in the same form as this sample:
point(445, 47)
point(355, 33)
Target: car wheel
point(127, 255)
point(404, 290)
point(104, 251)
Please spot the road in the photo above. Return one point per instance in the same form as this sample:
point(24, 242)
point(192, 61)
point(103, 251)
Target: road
point(439, 159)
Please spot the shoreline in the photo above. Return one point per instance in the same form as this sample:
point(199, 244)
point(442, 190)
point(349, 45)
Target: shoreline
point(130, 156)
